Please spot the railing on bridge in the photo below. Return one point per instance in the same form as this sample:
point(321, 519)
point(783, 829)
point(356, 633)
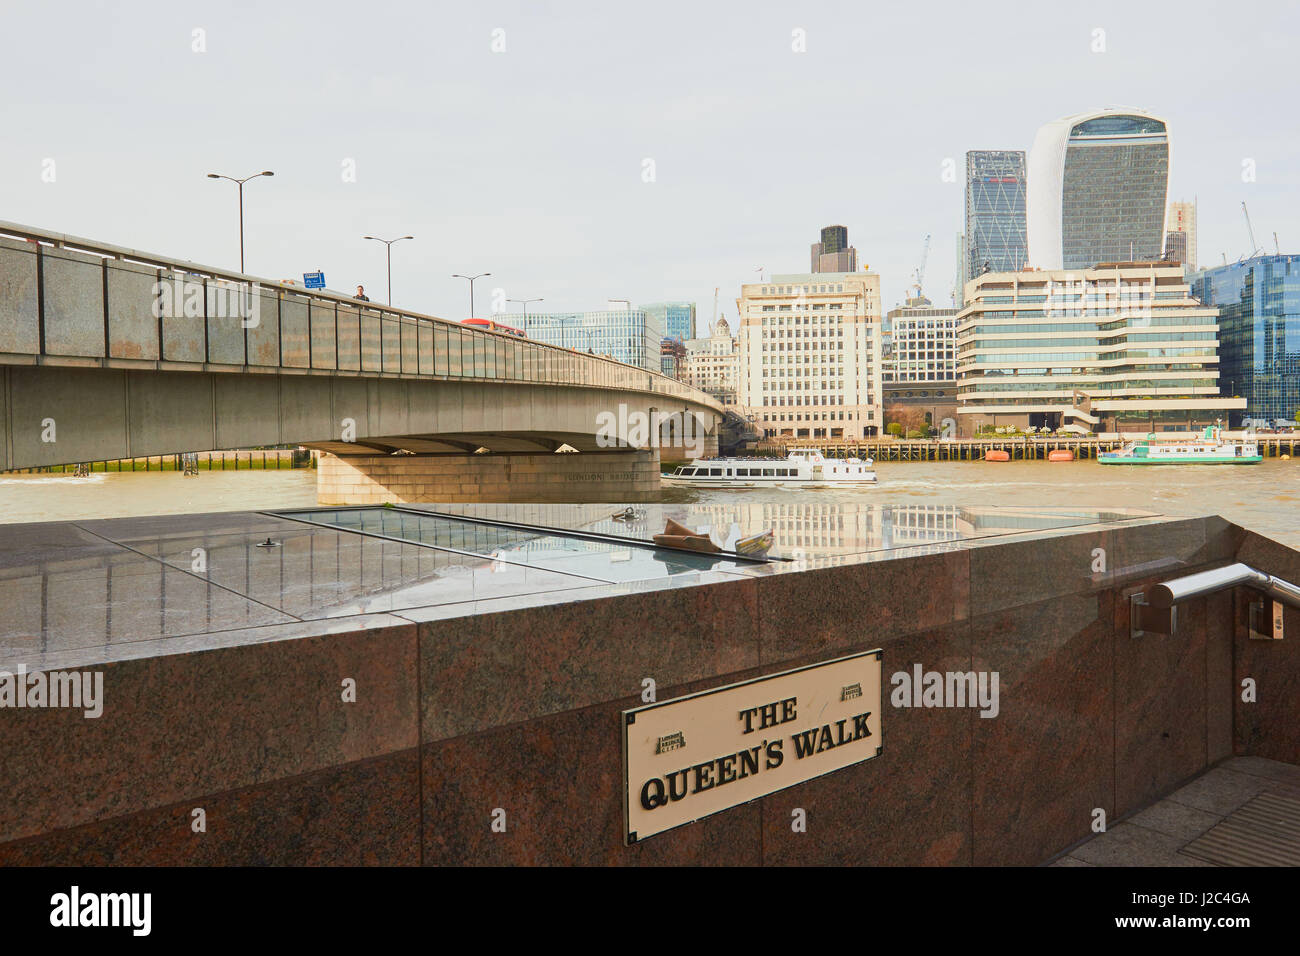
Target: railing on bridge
point(71, 301)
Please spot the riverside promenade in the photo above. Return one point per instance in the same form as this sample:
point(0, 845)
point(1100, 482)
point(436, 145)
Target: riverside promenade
point(529, 684)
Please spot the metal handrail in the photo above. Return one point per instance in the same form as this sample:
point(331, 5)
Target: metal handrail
point(1171, 593)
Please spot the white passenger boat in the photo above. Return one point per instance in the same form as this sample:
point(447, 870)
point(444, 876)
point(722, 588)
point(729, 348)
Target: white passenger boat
point(804, 468)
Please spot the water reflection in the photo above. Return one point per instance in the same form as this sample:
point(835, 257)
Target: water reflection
point(826, 529)
point(65, 585)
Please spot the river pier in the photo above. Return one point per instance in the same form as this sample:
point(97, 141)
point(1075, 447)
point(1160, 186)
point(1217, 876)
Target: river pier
point(1019, 448)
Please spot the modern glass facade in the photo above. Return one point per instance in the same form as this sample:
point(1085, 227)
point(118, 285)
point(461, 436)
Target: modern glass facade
point(835, 238)
point(626, 335)
point(1114, 191)
point(995, 211)
point(1098, 184)
point(1259, 333)
point(1115, 348)
point(677, 319)
point(833, 253)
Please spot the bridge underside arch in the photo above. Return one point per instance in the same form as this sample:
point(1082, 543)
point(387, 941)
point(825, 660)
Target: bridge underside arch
point(504, 438)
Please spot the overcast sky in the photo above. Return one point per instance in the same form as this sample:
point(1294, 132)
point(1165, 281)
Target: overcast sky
point(530, 163)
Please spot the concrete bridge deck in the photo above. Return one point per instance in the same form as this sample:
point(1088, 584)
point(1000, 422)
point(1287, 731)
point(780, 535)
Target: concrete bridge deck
point(108, 353)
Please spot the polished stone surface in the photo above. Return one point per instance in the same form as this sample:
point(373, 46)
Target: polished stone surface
point(491, 670)
point(1267, 726)
point(1161, 730)
point(98, 586)
point(1046, 762)
point(512, 666)
point(361, 814)
point(558, 782)
point(909, 806)
point(207, 721)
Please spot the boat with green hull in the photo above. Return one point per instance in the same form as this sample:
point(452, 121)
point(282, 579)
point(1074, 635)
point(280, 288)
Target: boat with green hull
point(1209, 449)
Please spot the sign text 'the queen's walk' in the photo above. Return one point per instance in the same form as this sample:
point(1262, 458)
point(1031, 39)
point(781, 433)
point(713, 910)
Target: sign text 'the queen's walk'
point(694, 756)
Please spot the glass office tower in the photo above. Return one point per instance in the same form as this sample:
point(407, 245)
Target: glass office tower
point(995, 211)
point(627, 335)
point(1098, 183)
point(833, 253)
point(1259, 333)
point(677, 319)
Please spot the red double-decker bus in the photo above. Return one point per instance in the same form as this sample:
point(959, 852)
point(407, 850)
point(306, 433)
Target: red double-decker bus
point(493, 326)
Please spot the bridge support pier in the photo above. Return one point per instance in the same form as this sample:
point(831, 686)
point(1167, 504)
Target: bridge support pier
point(593, 476)
point(675, 451)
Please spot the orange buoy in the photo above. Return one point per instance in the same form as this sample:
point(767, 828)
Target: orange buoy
point(995, 454)
point(1060, 454)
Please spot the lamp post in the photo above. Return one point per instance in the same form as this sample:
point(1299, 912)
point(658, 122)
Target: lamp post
point(388, 247)
point(471, 288)
point(524, 303)
point(240, 183)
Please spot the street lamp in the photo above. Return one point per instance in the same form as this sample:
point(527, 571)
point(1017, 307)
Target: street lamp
point(388, 247)
point(471, 288)
point(240, 183)
point(524, 303)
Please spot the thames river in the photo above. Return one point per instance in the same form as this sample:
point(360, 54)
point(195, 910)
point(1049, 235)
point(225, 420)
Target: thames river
point(1263, 497)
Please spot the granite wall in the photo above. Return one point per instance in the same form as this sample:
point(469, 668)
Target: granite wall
point(457, 718)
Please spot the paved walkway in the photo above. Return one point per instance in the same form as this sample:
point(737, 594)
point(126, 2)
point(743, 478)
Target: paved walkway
point(1244, 812)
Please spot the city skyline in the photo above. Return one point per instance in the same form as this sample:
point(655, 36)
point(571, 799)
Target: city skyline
point(516, 163)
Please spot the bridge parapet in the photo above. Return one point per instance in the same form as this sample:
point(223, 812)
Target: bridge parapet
point(76, 302)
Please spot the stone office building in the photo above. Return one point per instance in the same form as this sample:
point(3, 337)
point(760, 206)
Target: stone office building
point(810, 355)
point(919, 367)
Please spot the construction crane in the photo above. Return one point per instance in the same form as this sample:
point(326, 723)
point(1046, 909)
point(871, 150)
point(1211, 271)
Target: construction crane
point(920, 270)
point(1251, 230)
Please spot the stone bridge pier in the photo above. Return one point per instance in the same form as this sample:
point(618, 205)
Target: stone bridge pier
point(613, 475)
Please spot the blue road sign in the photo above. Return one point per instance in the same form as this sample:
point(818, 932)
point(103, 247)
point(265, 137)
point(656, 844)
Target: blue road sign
point(314, 280)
